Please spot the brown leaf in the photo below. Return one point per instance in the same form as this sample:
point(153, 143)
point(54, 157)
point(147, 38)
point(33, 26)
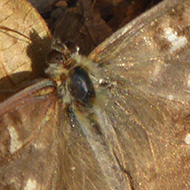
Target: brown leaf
point(24, 41)
point(41, 5)
point(88, 24)
point(84, 26)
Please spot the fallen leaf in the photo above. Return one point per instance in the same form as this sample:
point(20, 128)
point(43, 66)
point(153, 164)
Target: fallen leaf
point(24, 42)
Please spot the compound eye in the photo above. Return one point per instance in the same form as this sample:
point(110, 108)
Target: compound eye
point(55, 57)
point(81, 86)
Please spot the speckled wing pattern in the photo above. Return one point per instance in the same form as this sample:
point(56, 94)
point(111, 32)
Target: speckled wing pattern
point(28, 148)
point(148, 70)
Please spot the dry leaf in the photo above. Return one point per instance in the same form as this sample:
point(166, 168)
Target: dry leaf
point(41, 5)
point(89, 23)
point(84, 26)
point(24, 41)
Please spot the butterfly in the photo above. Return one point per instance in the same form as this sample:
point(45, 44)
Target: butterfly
point(117, 119)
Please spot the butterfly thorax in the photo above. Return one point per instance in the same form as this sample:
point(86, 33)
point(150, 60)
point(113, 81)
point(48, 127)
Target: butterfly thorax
point(67, 68)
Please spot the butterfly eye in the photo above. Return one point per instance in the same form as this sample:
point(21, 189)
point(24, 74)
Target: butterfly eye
point(81, 86)
point(55, 57)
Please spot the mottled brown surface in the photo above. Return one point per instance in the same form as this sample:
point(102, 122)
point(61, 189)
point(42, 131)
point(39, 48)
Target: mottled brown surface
point(134, 135)
point(24, 41)
point(90, 23)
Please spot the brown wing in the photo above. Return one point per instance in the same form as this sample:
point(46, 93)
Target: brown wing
point(85, 159)
point(145, 70)
point(28, 145)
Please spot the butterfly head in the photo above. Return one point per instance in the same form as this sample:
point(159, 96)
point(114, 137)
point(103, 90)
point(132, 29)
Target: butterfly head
point(70, 71)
